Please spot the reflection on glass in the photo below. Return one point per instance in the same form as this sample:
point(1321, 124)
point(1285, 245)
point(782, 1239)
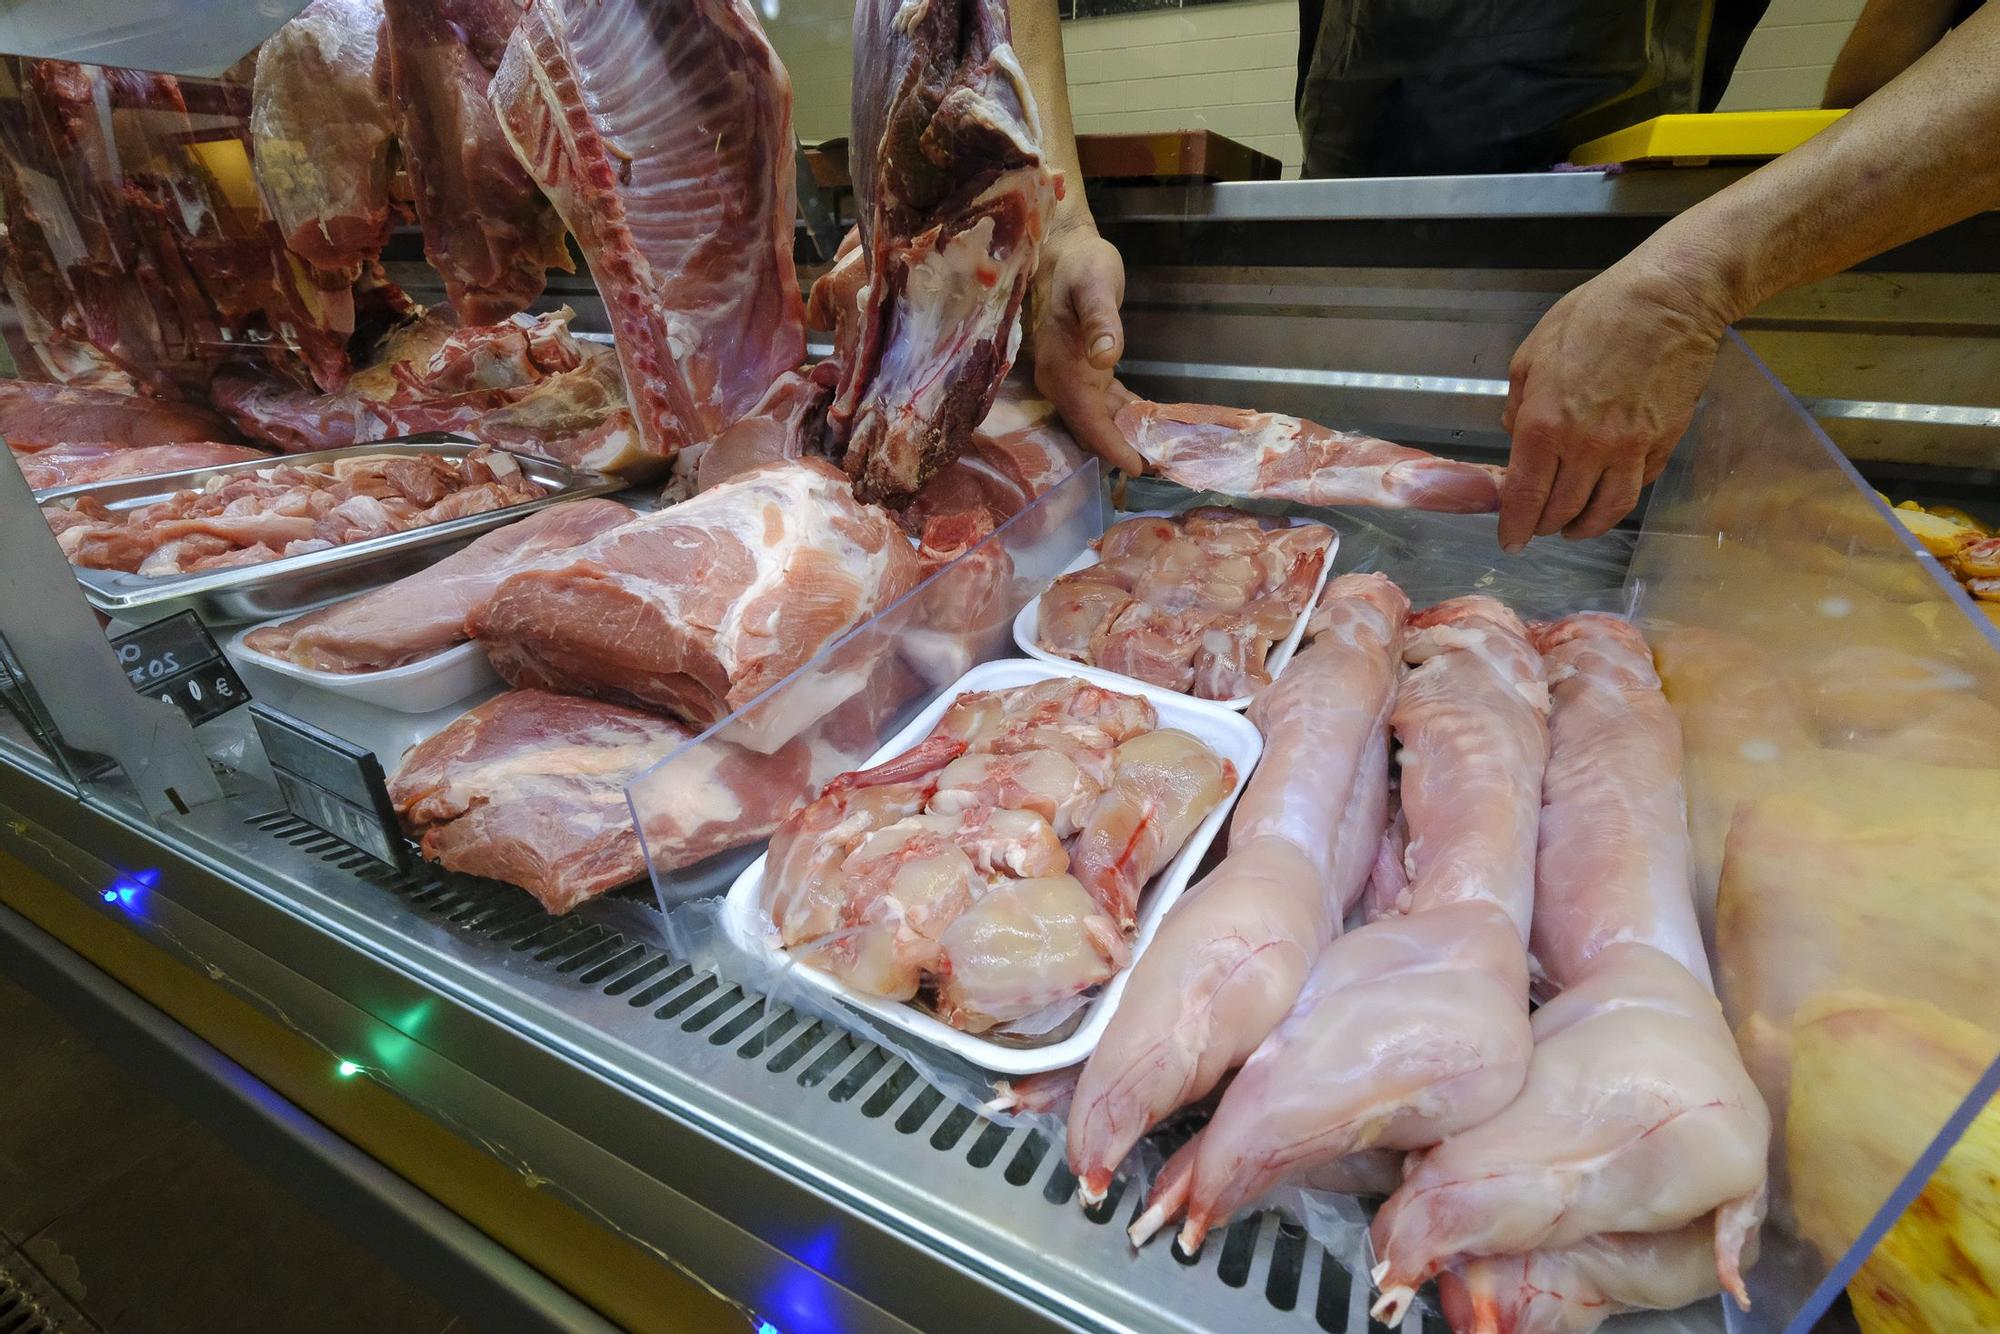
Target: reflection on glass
point(1840, 707)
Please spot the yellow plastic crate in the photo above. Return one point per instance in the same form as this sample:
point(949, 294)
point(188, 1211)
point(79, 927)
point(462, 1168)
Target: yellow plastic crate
point(1690, 140)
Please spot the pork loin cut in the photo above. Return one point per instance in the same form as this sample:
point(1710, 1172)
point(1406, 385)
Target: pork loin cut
point(662, 130)
point(953, 198)
point(699, 608)
point(425, 613)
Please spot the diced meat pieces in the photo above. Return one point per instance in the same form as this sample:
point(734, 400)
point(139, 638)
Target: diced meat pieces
point(953, 197)
point(662, 130)
point(425, 613)
point(270, 512)
point(1265, 456)
point(698, 609)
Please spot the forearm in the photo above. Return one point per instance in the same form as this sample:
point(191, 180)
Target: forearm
point(1919, 155)
point(1038, 43)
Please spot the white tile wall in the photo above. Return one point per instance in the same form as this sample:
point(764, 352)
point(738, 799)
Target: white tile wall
point(1786, 60)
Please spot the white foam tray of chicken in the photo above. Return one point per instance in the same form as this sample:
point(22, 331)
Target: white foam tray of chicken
point(1224, 644)
point(1207, 753)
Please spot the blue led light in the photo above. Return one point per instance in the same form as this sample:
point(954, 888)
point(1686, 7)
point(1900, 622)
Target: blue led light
point(111, 896)
point(126, 889)
point(766, 1327)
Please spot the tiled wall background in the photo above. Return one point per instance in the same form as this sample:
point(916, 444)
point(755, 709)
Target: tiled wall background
point(1230, 67)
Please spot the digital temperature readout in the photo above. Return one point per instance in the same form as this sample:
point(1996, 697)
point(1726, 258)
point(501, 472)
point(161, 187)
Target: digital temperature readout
point(176, 661)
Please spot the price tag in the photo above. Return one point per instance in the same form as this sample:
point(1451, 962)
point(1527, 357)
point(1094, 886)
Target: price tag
point(332, 784)
point(175, 660)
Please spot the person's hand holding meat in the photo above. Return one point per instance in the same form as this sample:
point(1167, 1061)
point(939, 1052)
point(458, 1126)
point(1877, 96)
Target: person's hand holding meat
point(1599, 394)
point(1077, 336)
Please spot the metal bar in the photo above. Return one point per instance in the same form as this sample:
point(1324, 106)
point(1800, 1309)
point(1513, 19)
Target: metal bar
point(428, 1243)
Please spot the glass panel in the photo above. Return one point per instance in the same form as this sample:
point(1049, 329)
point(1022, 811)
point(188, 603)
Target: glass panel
point(705, 810)
point(1840, 702)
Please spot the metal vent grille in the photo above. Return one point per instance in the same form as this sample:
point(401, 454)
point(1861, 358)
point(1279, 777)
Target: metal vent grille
point(1285, 1280)
point(30, 1305)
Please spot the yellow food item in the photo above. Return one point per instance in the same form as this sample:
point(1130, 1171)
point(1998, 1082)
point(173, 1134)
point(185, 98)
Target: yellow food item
point(1981, 560)
point(1873, 1079)
point(1941, 537)
point(1957, 515)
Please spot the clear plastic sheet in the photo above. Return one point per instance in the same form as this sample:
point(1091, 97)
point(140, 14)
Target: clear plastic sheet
point(1839, 699)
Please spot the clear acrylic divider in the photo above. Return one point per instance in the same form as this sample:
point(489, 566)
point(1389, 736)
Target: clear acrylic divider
point(1839, 698)
point(705, 810)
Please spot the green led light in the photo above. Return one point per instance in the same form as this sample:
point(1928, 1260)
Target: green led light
point(347, 1069)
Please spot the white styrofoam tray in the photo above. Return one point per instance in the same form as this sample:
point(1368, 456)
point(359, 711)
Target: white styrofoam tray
point(1027, 621)
point(423, 686)
point(1229, 734)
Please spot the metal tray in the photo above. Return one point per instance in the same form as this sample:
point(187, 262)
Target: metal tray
point(294, 583)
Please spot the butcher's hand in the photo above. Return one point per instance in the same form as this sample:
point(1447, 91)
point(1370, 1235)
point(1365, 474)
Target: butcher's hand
point(1078, 338)
point(1599, 394)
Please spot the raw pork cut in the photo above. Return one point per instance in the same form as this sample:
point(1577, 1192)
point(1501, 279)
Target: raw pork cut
point(700, 608)
point(72, 465)
point(320, 132)
point(1020, 453)
point(1263, 456)
point(487, 229)
point(785, 424)
point(425, 613)
point(953, 197)
point(34, 415)
point(1229, 959)
point(530, 788)
point(662, 129)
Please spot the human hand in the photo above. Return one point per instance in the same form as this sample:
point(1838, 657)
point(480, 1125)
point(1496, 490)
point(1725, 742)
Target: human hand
point(1599, 393)
point(1077, 337)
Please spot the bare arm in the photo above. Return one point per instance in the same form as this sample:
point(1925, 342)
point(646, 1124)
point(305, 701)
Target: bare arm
point(1607, 382)
point(1887, 39)
point(1075, 333)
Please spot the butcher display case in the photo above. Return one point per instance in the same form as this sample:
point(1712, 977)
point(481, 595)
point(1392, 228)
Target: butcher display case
point(596, 1118)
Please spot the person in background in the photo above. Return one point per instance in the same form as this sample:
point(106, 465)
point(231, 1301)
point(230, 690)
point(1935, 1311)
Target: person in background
point(1885, 41)
point(1605, 385)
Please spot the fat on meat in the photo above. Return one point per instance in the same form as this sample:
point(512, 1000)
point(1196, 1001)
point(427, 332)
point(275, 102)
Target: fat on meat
point(487, 229)
point(321, 127)
point(529, 788)
point(425, 613)
point(1265, 456)
point(662, 130)
point(75, 464)
point(699, 608)
point(1637, 1115)
point(953, 197)
point(1415, 1026)
point(1229, 959)
point(35, 415)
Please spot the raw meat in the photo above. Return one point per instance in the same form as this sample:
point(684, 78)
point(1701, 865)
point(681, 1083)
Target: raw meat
point(1020, 453)
point(72, 465)
point(1637, 1116)
point(34, 415)
point(487, 229)
point(425, 613)
point(1575, 1289)
point(1230, 958)
point(285, 510)
point(1264, 456)
point(1195, 607)
point(1415, 1026)
point(948, 865)
point(1613, 864)
point(700, 608)
point(662, 129)
point(952, 196)
point(320, 132)
point(1164, 783)
point(785, 424)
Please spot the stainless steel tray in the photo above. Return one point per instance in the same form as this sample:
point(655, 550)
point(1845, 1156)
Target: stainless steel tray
point(293, 583)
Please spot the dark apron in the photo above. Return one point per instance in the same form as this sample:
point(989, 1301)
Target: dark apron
point(1423, 87)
